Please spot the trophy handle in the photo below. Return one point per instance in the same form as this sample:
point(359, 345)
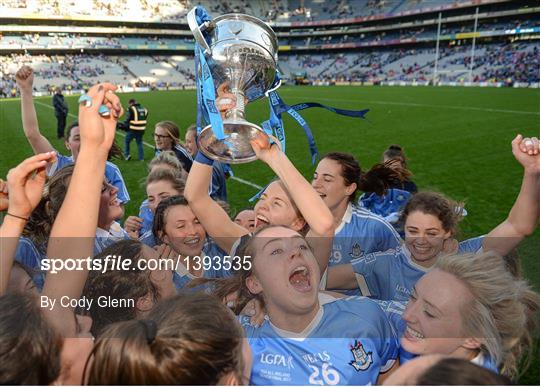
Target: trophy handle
point(196, 30)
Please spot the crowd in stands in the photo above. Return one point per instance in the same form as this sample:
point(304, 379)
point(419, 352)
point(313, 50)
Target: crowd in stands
point(76, 41)
point(78, 72)
point(175, 11)
point(149, 10)
point(518, 62)
point(509, 63)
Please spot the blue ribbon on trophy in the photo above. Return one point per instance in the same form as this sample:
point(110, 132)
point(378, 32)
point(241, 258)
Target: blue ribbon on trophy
point(230, 145)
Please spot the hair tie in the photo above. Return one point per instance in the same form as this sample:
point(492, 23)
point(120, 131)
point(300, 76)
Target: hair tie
point(150, 328)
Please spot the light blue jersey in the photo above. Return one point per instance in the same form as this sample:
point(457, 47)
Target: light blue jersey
point(349, 342)
point(361, 232)
point(148, 239)
point(394, 310)
point(146, 214)
point(181, 277)
point(392, 274)
point(483, 360)
point(29, 255)
point(106, 238)
point(112, 174)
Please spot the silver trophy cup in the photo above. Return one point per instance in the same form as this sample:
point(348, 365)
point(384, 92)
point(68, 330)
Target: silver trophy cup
point(241, 56)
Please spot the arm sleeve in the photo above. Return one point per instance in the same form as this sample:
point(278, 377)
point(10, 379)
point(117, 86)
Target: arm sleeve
point(386, 340)
point(388, 236)
point(473, 245)
point(372, 272)
point(114, 177)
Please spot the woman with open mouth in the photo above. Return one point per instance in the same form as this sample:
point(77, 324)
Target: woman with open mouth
point(308, 337)
point(290, 201)
point(430, 228)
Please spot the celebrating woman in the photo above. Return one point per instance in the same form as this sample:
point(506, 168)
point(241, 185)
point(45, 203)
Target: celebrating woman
point(308, 337)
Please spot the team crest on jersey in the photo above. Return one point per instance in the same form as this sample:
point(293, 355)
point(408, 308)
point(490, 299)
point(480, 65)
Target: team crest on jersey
point(362, 359)
point(356, 251)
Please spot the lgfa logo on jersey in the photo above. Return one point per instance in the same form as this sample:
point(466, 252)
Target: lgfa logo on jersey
point(277, 360)
point(356, 251)
point(362, 359)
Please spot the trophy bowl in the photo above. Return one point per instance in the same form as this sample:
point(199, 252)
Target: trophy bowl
point(241, 53)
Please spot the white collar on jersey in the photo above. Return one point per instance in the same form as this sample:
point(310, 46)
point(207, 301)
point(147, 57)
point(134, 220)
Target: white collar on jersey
point(411, 262)
point(347, 216)
point(479, 360)
point(324, 298)
point(115, 231)
point(182, 270)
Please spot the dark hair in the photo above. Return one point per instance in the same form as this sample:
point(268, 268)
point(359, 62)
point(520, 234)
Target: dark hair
point(38, 227)
point(74, 124)
point(438, 205)
point(188, 339)
point(379, 178)
point(130, 284)
point(30, 272)
point(158, 226)
point(132, 101)
point(395, 151)
point(456, 372)
point(29, 347)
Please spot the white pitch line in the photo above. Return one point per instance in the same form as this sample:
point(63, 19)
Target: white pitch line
point(422, 105)
point(238, 179)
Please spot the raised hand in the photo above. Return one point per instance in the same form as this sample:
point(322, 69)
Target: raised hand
point(132, 225)
point(26, 182)
point(25, 78)
point(527, 152)
point(98, 130)
point(264, 150)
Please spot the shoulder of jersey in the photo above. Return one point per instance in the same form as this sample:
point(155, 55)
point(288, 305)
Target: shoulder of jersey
point(360, 212)
point(360, 306)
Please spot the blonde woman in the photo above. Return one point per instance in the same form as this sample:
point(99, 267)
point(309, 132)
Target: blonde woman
point(470, 306)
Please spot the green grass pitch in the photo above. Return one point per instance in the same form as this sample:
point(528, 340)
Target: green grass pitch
point(457, 139)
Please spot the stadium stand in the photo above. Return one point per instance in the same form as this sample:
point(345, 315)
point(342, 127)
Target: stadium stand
point(146, 43)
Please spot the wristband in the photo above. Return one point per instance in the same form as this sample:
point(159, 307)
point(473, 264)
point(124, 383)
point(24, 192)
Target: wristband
point(201, 158)
point(17, 216)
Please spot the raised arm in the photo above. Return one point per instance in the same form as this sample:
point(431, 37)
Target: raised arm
point(25, 184)
point(525, 213)
point(25, 81)
point(73, 232)
point(214, 219)
point(315, 212)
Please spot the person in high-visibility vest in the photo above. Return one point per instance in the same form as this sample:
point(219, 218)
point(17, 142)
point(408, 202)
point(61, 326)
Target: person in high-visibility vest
point(135, 124)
